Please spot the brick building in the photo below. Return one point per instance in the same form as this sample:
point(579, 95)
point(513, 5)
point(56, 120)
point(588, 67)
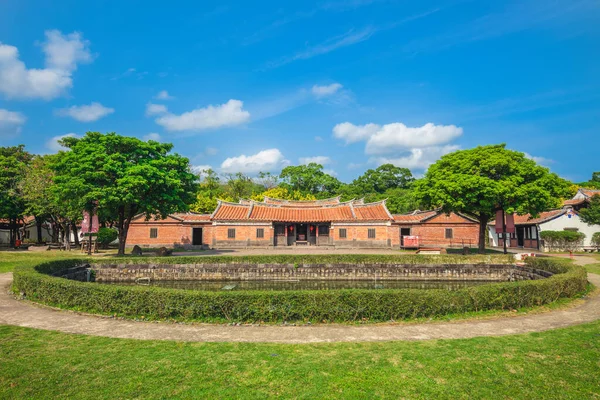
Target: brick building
point(328, 222)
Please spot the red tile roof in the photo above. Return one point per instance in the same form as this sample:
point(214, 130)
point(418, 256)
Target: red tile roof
point(543, 217)
point(574, 202)
point(589, 192)
point(192, 217)
point(256, 211)
point(415, 217)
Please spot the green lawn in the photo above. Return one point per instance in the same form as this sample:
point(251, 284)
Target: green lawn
point(563, 363)
point(10, 259)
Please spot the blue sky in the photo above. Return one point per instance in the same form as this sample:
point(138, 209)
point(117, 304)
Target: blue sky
point(249, 86)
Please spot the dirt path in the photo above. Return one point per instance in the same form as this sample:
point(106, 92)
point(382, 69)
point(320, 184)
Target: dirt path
point(14, 312)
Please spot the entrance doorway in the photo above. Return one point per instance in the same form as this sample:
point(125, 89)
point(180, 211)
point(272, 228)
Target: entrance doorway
point(301, 232)
point(403, 232)
point(197, 236)
point(520, 236)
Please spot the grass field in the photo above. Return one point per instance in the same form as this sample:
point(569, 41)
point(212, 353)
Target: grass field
point(556, 364)
point(38, 364)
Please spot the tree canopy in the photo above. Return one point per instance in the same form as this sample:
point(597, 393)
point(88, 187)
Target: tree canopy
point(593, 183)
point(591, 214)
point(383, 178)
point(13, 164)
point(485, 179)
point(310, 179)
point(125, 176)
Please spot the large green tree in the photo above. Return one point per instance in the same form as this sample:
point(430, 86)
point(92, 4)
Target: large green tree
point(383, 178)
point(13, 165)
point(480, 181)
point(593, 183)
point(124, 176)
point(591, 214)
point(44, 202)
point(309, 179)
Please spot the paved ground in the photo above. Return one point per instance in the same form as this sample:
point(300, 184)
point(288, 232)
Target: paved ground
point(13, 312)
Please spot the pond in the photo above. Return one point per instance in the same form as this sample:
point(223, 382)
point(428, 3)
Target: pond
point(215, 286)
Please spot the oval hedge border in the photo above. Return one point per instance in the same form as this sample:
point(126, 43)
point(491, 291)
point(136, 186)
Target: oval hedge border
point(153, 303)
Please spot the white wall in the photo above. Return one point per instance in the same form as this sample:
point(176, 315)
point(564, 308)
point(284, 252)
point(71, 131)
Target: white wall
point(562, 222)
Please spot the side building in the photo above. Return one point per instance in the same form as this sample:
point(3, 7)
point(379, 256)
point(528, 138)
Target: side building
point(528, 228)
point(328, 222)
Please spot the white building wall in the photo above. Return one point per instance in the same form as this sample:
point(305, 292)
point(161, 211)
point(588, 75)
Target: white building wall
point(574, 222)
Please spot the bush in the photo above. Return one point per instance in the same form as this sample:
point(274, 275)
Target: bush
point(596, 239)
point(276, 306)
point(562, 240)
point(320, 259)
point(106, 236)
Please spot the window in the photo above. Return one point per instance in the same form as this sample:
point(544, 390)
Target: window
point(153, 233)
point(231, 233)
point(371, 233)
point(323, 230)
point(449, 233)
point(343, 234)
point(260, 233)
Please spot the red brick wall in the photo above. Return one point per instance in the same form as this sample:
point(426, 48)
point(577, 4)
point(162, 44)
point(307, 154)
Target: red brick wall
point(358, 235)
point(432, 232)
point(169, 234)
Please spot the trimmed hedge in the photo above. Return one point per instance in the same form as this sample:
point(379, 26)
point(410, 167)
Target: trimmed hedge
point(318, 259)
point(155, 303)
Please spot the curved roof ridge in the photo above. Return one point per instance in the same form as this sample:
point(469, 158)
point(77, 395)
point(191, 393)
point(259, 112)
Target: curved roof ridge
point(286, 201)
point(373, 203)
point(291, 205)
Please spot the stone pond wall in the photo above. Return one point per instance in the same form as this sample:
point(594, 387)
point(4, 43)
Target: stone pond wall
point(226, 272)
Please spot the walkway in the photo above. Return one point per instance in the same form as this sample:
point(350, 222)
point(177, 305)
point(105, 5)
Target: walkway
point(14, 312)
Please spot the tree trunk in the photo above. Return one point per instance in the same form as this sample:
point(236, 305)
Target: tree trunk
point(483, 221)
point(13, 232)
point(38, 224)
point(75, 235)
point(125, 216)
point(54, 234)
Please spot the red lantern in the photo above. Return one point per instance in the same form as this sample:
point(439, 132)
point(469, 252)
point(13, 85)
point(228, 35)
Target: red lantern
point(291, 228)
point(312, 228)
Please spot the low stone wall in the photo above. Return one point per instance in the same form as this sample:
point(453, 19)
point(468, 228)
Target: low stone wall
point(227, 272)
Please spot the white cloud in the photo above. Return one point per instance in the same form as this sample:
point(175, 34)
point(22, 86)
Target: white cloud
point(540, 160)
point(155, 109)
point(326, 90)
point(200, 169)
point(10, 122)
point(152, 136)
point(63, 54)
point(318, 139)
point(346, 39)
point(210, 151)
point(398, 144)
point(417, 158)
point(228, 114)
point(53, 144)
point(352, 133)
point(330, 172)
point(396, 136)
point(265, 160)
point(323, 160)
point(86, 113)
point(163, 95)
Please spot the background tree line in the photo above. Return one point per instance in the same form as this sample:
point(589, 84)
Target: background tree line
point(123, 177)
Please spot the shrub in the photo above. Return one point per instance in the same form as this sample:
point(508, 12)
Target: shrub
point(320, 259)
point(106, 236)
point(562, 240)
point(276, 306)
point(596, 239)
